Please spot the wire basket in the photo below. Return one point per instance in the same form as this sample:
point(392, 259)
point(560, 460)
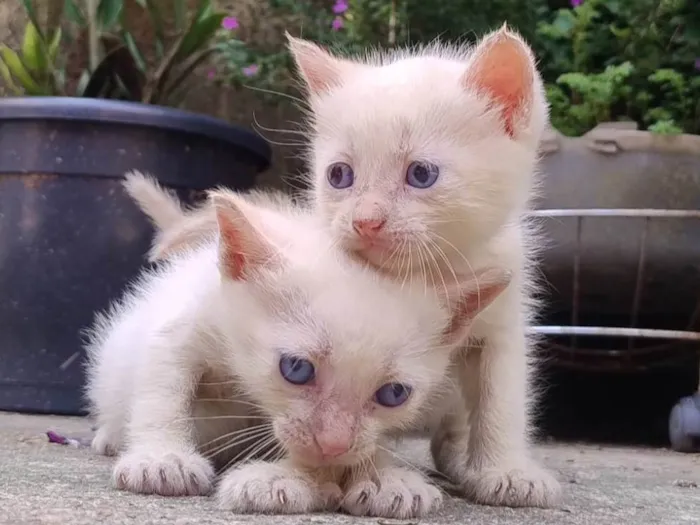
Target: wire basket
point(618, 348)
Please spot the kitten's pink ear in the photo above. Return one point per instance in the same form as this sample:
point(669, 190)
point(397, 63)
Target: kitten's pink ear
point(502, 68)
point(320, 70)
point(466, 300)
point(242, 245)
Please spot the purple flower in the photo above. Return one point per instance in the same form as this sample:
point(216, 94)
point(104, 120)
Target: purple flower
point(230, 23)
point(251, 70)
point(576, 3)
point(697, 64)
point(337, 24)
point(211, 74)
point(340, 7)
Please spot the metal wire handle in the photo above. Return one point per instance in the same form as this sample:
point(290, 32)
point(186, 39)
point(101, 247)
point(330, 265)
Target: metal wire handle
point(630, 332)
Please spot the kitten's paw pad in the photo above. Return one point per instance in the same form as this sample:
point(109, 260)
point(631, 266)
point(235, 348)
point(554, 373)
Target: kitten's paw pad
point(525, 487)
point(400, 494)
point(271, 488)
point(106, 443)
point(167, 474)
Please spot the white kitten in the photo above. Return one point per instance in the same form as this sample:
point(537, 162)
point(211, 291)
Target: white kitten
point(423, 163)
point(268, 341)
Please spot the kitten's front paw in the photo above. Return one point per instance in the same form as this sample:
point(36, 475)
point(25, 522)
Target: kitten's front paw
point(400, 493)
point(166, 473)
point(529, 486)
point(274, 488)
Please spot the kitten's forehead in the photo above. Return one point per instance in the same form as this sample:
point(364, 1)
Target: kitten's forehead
point(412, 104)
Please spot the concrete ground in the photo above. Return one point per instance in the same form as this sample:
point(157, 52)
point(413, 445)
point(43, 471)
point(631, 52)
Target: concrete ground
point(44, 483)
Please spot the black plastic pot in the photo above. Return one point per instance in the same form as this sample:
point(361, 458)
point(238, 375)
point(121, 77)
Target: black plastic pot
point(70, 238)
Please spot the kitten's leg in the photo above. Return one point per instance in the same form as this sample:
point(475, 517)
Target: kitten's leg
point(384, 490)
point(161, 457)
point(498, 469)
point(274, 488)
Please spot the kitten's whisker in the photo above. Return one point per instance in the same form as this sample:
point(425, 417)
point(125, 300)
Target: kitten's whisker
point(432, 256)
point(239, 440)
point(419, 470)
point(212, 418)
point(278, 93)
point(228, 400)
point(232, 461)
point(241, 431)
point(216, 383)
point(256, 122)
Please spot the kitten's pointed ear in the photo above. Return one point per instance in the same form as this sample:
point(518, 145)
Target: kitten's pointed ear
point(320, 70)
point(502, 68)
point(466, 300)
point(243, 246)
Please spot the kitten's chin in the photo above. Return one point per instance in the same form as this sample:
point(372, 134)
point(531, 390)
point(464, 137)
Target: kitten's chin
point(317, 461)
point(375, 254)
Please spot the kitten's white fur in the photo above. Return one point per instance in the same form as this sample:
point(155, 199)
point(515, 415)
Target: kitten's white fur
point(478, 114)
point(184, 371)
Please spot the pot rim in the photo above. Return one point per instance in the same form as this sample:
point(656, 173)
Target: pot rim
point(77, 109)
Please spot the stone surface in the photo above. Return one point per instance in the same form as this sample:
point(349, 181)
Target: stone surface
point(43, 483)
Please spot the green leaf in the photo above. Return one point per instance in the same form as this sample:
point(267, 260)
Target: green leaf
point(54, 45)
point(200, 33)
point(7, 77)
point(134, 50)
point(74, 13)
point(31, 13)
point(157, 19)
point(186, 69)
point(33, 53)
point(203, 12)
point(18, 70)
point(108, 12)
point(180, 8)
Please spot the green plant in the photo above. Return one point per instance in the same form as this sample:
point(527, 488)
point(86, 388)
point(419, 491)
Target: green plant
point(119, 67)
point(619, 60)
point(347, 26)
point(34, 69)
point(352, 26)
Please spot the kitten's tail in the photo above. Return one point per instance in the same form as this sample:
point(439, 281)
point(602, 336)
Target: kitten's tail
point(162, 208)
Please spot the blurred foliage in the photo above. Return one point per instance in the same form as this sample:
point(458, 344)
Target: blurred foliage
point(600, 59)
point(119, 68)
point(623, 60)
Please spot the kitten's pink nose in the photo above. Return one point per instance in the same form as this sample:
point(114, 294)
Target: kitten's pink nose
point(332, 446)
point(368, 227)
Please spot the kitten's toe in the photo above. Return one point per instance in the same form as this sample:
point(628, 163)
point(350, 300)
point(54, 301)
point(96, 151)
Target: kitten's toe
point(106, 442)
point(164, 473)
point(358, 498)
point(272, 488)
point(525, 486)
point(400, 494)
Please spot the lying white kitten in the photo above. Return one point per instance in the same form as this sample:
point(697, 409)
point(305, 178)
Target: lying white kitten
point(268, 340)
point(423, 163)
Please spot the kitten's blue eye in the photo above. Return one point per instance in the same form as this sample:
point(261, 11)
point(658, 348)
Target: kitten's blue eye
point(422, 174)
point(340, 175)
point(295, 370)
point(392, 394)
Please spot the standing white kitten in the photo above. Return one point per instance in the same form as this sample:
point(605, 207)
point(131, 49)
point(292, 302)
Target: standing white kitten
point(268, 340)
point(423, 163)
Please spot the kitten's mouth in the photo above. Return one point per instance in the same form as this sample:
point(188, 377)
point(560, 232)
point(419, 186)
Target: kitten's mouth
point(314, 460)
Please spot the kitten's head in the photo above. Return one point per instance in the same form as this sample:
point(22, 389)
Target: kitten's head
point(333, 353)
point(411, 146)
